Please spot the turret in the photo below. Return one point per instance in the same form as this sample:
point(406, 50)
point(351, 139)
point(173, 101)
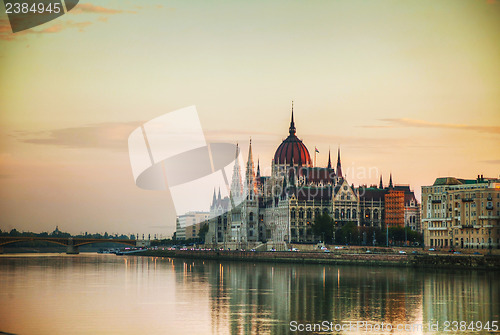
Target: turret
point(339, 165)
point(250, 174)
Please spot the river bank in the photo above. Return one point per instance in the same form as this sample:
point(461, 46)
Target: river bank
point(480, 262)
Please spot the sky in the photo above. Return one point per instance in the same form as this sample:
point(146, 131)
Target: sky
point(410, 88)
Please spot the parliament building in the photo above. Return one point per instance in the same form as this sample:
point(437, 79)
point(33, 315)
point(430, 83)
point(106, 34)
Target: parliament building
point(281, 208)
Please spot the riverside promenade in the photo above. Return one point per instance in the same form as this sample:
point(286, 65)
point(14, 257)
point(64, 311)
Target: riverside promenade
point(422, 260)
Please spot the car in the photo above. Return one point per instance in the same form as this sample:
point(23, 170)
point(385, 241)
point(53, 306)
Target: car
point(326, 250)
point(432, 249)
point(457, 253)
point(477, 253)
point(451, 250)
point(368, 251)
point(402, 252)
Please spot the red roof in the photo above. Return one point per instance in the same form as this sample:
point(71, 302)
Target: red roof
point(292, 150)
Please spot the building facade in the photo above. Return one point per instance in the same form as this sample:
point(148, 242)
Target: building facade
point(462, 213)
point(189, 224)
point(282, 207)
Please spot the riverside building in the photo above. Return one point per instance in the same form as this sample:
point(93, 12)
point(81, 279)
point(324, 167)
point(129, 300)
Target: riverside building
point(462, 213)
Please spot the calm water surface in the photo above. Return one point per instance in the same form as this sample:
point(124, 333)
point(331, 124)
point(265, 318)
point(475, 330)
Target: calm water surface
point(108, 294)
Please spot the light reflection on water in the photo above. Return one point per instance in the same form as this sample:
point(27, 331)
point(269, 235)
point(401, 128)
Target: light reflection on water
point(108, 294)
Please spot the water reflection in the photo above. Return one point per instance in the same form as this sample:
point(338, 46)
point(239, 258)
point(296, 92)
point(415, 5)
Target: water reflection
point(106, 294)
point(264, 298)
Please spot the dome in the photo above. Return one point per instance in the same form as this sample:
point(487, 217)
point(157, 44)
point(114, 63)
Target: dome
point(292, 150)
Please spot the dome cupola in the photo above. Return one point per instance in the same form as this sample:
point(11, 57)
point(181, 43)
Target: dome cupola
point(292, 151)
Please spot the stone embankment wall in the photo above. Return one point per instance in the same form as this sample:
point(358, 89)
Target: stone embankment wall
point(405, 260)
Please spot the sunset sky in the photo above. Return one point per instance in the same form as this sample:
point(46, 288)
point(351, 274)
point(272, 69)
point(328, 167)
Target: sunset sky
point(408, 87)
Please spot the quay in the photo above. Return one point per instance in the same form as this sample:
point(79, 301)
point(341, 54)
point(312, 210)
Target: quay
point(423, 260)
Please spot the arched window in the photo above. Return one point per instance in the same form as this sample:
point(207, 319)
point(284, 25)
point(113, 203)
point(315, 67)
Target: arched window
point(309, 213)
point(292, 213)
point(342, 213)
point(316, 212)
point(301, 213)
point(354, 214)
point(250, 216)
point(337, 213)
point(375, 214)
point(348, 214)
point(325, 210)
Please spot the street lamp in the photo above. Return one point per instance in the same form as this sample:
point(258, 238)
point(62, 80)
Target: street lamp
point(406, 237)
point(387, 234)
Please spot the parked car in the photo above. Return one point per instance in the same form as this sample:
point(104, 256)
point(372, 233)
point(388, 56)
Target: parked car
point(402, 252)
point(432, 249)
point(457, 253)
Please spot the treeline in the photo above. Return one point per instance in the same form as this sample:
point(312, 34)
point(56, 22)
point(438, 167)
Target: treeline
point(58, 233)
point(352, 234)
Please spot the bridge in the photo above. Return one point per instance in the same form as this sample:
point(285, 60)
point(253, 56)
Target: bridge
point(71, 243)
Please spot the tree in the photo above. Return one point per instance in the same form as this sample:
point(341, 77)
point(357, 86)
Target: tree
point(14, 232)
point(203, 231)
point(323, 226)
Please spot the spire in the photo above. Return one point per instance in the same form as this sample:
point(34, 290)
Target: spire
point(292, 124)
point(219, 197)
point(250, 157)
point(339, 165)
point(258, 168)
point(236, 183)
point(329, 160)
point(250, 174)
point(390, 181)
point(381, 185)
point(214, 200)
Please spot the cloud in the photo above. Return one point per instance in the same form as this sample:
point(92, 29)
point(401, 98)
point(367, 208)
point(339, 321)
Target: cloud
point(87, 8)
point(7, 35)
point(109, 135)
point(426, 124)
point(492, 161)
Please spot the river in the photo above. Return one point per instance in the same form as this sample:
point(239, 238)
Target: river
point(108, 294)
